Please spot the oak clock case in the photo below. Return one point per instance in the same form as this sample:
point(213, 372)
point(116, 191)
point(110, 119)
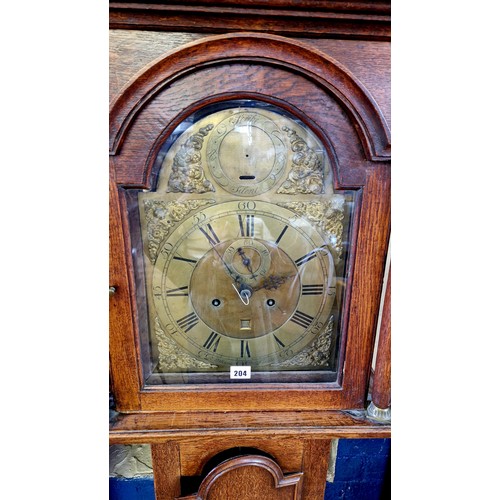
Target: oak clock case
point(240, 251)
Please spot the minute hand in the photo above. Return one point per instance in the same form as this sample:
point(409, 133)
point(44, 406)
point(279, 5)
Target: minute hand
point(236, 277)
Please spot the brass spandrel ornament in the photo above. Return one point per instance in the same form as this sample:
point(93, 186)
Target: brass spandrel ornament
point(187, 174)
point(316, 355)
point(171, 357)
point(243, 239)
point(161, 216)
point(307, 172)
point(325, 215)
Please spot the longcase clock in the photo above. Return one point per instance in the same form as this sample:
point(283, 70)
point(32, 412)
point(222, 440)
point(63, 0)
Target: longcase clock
point(249, 193)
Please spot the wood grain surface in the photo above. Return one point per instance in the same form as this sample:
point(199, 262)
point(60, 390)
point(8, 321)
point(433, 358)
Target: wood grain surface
point(287, 451)
point(166, 470)
point(381, 393)
point(131, 50)
point(160, 427)
point(315, 467)
point(294, 56)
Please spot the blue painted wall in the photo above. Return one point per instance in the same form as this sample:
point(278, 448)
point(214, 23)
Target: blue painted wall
point(362, 472)
point(131, 489)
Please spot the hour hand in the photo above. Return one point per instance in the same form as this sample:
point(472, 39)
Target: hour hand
point(246, 261)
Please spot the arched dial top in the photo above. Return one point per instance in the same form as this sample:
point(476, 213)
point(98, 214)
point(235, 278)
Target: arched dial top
point(244, 150)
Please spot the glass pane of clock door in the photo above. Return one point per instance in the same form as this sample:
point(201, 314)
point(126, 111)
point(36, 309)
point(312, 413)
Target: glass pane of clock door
point(241, 251)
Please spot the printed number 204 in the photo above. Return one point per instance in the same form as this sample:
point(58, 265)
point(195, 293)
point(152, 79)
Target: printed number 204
point(240, 372)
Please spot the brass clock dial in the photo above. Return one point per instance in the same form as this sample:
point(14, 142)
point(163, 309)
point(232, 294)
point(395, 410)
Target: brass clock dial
point(243, 244)
point(234, 298)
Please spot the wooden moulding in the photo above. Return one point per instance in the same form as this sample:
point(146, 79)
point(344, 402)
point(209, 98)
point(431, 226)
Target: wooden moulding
point(125, 384)
point(251, 473)
point(250, 47)
point(289, 452)
point(360, 20)
point(381, 7)
point(164, 427)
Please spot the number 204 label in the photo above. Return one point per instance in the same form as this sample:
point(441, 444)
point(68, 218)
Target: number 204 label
point(240, 372)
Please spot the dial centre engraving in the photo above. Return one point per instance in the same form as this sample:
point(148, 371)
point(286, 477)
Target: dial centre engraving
point(276, 282)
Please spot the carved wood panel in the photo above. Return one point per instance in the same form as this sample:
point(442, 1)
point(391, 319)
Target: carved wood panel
point(250, 477)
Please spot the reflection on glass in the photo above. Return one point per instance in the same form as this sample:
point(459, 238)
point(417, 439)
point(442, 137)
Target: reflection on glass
point(240, 251)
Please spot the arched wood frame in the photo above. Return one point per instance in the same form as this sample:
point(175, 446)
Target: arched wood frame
point(240, 463)
point(245, 47)
point(372, 133)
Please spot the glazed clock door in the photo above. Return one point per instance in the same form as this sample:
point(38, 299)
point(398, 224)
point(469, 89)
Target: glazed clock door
point(244, 187)
point(242, 243)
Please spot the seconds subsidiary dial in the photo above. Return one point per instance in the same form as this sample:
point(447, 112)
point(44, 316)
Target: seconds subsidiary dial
point(243, 282)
